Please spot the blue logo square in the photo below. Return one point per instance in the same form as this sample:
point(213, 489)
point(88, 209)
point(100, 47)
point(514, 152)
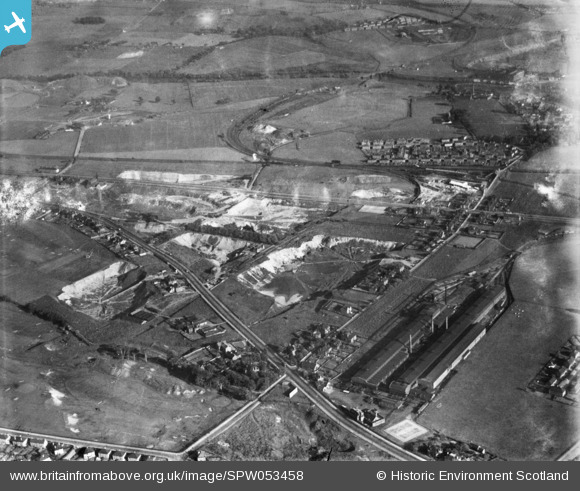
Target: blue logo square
point(15, 22)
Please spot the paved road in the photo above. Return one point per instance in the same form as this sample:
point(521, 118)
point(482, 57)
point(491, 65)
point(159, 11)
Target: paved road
point(77, 442)
point(323, 404)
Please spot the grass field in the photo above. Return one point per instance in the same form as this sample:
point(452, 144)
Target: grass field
point(63, 388)
point(61, 144)
point(270, 54)
point(486, 401)
point(166, 134)
point(338, 145)
point(451, 260)
point(488, 119)
point(355, 114)
point(39, 258)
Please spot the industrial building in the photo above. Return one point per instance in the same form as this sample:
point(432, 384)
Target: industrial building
point(434, 364)
point(395, 350)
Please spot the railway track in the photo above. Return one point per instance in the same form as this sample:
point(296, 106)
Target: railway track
point(322, 403)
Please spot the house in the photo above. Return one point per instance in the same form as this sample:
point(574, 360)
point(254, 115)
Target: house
point(90, 454)
point(372, 418)
point(118, 455)
point(292, 392)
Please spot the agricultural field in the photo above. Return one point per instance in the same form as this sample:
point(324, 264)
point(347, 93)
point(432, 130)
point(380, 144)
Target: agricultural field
point(352, 108)
point(269, 55)
point(500, 412)
point(168, 134)
point(379, 112)
point(338, 145)
point(39, 258)
point(488, 119)
point(59, 145)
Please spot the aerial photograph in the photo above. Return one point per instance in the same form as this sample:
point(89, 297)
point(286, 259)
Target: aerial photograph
point(290, 230)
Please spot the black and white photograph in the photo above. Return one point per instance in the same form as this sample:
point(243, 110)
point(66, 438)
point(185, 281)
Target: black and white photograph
point(290, 231)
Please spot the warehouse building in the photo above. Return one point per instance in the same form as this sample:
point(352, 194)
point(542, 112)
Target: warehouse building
point(396, 348)
point(434, 364)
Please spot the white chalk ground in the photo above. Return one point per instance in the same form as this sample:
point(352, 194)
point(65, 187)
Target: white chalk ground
point(124, 370)
point(71, 421)
point(100, 281)
point(131, 54)
point(174, 201)
point(216, 247)
point(406, 430)
point(432, 190)
point(290, 259)
point(266, 210)
point(56, 396)
point(378, 210)
point(172, 177)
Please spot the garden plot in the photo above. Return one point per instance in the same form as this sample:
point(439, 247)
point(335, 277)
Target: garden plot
point(272, 277)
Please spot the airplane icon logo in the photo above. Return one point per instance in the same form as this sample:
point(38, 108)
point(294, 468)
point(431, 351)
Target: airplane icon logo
point(17, 23)
point(18, 26)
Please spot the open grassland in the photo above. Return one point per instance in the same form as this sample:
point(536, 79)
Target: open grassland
point(40, 258)
point(486, 401)
point(269, 55)
point(338, 145)
point(379, 112)
point(52, 384)
point(372, 108)
point(488, 119)
point(61, 145)
point(452, 260)
point(168, 134)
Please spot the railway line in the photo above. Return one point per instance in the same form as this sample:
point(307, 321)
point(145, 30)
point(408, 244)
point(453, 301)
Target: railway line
point(320, 401)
